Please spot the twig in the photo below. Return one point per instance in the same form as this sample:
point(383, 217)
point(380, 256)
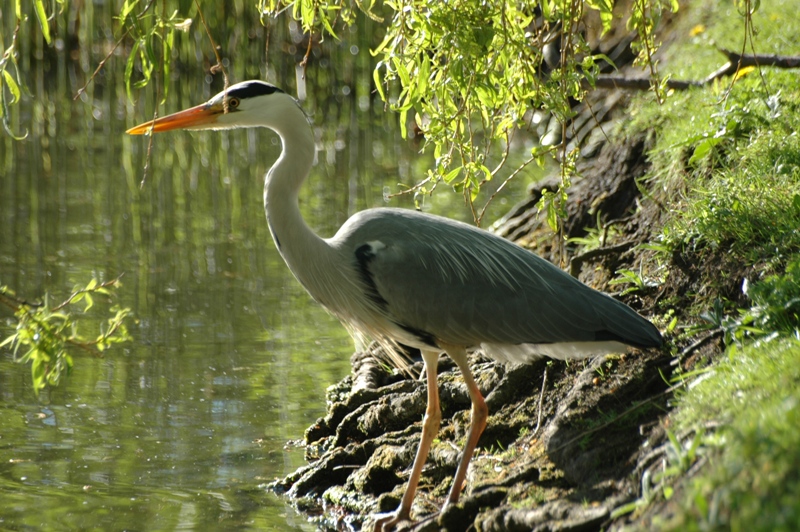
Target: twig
point(219, 67)
point(304, 62)
point(89, 348)
point(106, 58)
point(268, 27)
point(100, 66)
point(596, 121)
point(150, 136)
point(501, 187)
point(72, 296)
point(502, 162)
point(610, 81)
point(650, 47)
point(541, 399)
point(736, 61)
point(14, 303)
point(577, 260)
point(697, 345)
point(409, 190)
point(149, 154)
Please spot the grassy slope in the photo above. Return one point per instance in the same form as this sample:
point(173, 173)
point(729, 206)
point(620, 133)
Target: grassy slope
point(752, 478)
point(728, 169)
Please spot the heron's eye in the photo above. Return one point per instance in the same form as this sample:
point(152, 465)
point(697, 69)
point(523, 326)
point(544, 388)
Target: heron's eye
point(233, 103)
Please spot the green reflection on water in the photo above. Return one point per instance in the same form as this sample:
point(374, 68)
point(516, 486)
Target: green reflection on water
point(177, 428)
point(230, 357)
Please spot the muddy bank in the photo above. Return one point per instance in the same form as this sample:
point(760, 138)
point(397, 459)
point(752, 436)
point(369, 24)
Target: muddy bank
point(561, 446)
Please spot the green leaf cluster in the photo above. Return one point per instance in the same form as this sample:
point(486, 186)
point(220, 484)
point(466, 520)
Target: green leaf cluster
point(148, 24)
point(45, 335)
point(645, 18)
point(10, 86)
point(153, 36)
point(469, 74)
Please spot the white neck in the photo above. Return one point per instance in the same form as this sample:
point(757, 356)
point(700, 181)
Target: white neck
point(304, 252)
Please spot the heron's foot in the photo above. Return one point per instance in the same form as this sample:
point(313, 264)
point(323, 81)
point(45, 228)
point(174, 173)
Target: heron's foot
point(387, 522)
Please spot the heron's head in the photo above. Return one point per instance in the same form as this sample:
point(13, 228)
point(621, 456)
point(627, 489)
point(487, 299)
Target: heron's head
point(246, 104)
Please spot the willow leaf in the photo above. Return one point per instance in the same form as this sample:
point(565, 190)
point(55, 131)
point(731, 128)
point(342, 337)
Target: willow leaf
point(41, 14)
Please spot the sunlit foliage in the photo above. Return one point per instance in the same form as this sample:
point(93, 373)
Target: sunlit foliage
point(470, 73)
point(467, 74)
point(45, 335)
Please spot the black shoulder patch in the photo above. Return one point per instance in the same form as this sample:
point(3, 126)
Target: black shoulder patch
point(364, 255)
point(249, 89)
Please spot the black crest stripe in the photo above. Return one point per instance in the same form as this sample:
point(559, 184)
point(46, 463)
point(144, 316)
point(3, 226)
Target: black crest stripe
point(251, 89)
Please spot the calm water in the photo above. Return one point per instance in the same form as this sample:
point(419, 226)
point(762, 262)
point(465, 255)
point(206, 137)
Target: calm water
point(230, 358)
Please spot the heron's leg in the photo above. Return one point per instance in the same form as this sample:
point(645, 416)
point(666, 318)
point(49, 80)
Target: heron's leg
point(480, 413)
point(430, 427)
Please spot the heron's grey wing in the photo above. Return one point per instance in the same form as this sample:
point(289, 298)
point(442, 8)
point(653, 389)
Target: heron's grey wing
point(461, 285)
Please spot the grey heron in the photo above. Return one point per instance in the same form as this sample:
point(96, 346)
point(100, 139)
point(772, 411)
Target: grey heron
point(405, 277)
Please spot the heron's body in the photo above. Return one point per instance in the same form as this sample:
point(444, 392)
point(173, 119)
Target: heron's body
point(404, 277)
point(488, 286)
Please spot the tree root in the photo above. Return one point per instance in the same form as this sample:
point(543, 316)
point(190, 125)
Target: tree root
point(735, 63)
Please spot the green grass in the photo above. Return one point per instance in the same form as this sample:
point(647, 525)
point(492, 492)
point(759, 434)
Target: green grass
point(776, 301)
point(728, 164)
point(726, 168)
point(706, 26)
point(727, 171)
point(752, 478)
point(750, 202)
point(730, 170)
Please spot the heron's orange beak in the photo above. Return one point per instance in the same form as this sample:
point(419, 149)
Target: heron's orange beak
point(193, 117)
